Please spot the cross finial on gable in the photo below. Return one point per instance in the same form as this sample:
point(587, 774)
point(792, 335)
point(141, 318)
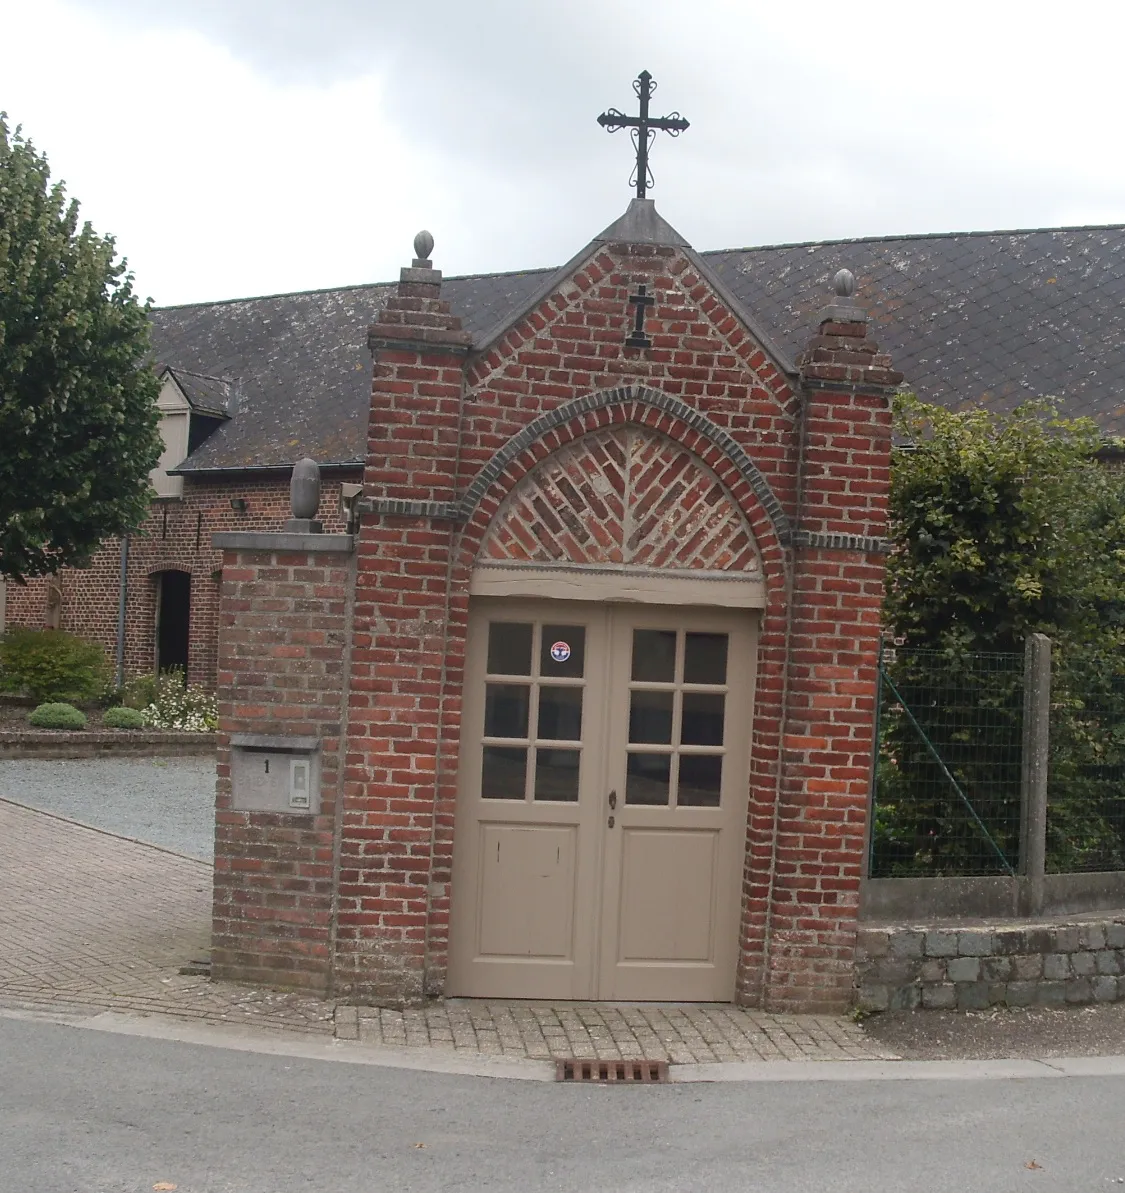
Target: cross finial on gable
point(643, 129)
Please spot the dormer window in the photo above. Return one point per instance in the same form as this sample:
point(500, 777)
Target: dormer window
point(175, 414)
point(191, 406)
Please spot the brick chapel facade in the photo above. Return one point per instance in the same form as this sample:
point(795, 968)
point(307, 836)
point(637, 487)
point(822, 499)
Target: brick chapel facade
point(589, 693)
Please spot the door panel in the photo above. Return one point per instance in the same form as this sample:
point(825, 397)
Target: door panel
point(602, 796)
point(668, 896)
point(526, 891)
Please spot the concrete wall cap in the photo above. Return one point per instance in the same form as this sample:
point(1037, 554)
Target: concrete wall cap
point(250, 540)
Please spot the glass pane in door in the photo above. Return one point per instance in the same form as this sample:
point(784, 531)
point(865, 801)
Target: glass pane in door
point(503, 772)
point(562, 654)
point(650, 717)
point(505, 709)
point(647, 779)
point(654, 656)
point(560, 713)
point(700, 781)
point(705, 658)
point(509, 648)
point(556, 775)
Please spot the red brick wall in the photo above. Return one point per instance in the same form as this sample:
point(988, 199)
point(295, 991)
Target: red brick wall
point(177, 535)
point(283, 647)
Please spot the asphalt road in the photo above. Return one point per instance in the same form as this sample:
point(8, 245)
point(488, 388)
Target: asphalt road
point(87, 1112)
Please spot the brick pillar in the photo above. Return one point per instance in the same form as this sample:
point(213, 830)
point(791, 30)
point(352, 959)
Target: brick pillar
point(283, 613)
point(392, 890)
point(839, 547)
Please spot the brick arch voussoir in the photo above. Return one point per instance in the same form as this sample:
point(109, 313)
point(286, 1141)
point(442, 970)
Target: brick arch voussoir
point(170, 565)
point(639, 406)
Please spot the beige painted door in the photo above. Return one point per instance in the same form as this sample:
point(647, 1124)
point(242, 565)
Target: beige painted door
point(602, 801)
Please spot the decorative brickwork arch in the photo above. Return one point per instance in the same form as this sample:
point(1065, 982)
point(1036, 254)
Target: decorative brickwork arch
point(733, 453)
point(624, 497)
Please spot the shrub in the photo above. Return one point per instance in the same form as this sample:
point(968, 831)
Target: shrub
point(123, 718)
point(57, 716)
point(49, 665)
point(180, 706)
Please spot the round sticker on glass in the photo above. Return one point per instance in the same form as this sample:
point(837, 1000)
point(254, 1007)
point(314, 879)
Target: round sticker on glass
point(560, 651)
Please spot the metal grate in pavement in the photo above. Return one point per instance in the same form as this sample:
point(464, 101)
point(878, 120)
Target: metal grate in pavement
point(646, 1072)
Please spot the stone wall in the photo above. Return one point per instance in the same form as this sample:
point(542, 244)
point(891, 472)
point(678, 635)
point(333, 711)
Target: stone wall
point(947, 968)
point(103, 743)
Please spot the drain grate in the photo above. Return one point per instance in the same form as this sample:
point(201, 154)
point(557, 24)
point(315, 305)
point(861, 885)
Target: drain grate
point(647, 1072)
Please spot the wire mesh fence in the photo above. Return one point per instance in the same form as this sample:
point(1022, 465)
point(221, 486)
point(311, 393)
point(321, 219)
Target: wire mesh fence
point(948, 766)
point(1086, 776)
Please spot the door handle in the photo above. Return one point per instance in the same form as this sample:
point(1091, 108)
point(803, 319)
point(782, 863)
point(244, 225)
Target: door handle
point(613, 799)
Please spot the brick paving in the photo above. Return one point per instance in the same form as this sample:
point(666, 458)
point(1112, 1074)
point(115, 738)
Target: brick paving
point(90, 921)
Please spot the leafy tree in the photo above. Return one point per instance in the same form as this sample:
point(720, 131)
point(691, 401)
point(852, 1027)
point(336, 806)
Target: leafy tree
point(78, 418)
point(1003, 525)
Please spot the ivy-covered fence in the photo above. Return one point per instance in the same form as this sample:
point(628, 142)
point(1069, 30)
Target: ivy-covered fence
point(951, 772)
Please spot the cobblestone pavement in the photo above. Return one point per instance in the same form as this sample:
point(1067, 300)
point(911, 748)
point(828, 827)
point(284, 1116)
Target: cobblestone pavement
point(91, 921)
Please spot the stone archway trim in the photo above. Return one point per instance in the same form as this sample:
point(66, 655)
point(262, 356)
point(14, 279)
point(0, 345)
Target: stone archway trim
point(462, 511)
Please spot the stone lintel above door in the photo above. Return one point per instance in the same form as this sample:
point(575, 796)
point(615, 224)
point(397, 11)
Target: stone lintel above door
point(622, 585)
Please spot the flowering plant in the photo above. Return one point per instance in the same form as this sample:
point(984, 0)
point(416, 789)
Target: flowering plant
point(177, 705)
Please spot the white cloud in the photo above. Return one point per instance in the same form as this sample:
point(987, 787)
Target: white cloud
point(244, 146)
point(216, 181)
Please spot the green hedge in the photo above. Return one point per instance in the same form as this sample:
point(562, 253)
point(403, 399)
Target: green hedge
point(57, 716)
point(123, 718)
point(49, 665)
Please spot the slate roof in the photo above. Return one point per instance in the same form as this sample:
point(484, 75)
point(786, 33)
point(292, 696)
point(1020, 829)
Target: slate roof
point(205, 395)
point(970, 318)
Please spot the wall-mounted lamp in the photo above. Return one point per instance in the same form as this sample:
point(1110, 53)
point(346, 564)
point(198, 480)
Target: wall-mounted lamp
point(239, 504)
point(348, 495)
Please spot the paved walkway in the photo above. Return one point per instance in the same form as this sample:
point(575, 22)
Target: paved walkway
point(92, 921)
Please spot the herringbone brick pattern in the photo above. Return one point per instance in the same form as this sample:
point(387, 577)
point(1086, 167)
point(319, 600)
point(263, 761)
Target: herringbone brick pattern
point(624, 496)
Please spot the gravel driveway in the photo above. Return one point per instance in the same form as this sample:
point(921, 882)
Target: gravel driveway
point(165, 801)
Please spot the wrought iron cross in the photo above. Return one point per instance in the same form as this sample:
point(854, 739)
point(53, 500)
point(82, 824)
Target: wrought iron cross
point(643, 129)
point(638, 338)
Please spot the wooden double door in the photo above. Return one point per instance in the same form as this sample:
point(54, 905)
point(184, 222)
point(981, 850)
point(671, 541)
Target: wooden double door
point(601, 817)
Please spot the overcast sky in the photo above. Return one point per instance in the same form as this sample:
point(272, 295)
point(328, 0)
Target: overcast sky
point(243, 147)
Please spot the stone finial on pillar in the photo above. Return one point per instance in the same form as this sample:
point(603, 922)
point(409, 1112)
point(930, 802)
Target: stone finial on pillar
point(423, 247)
point(416, 315)
point(841, 352)
point(304, 498)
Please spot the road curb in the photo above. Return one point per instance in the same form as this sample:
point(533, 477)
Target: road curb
point(430, 1060)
